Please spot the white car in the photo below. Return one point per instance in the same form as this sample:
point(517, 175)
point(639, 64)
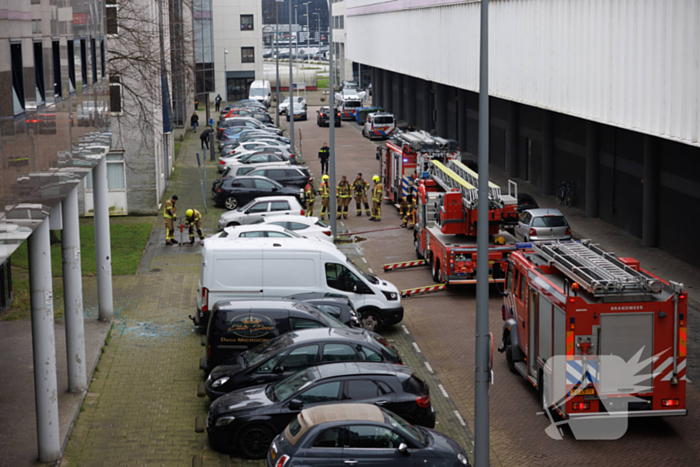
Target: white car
point(309, 227)
point(350, 93)
point(256, 231)
point(247, 148)
point(285, 104)
point(264, 158)
point(259, 208)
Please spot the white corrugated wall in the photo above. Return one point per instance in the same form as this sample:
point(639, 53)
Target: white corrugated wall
point(629, 63)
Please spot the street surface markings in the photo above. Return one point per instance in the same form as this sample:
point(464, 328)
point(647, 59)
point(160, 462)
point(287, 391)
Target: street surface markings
point(416, 347)
point(461, 420)
point(444, 391)
point(430, 368)
point(363, 259)
point(405, 329)
point(370, 270)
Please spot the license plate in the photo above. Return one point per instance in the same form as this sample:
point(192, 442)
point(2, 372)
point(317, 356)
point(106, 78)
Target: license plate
point(583, 392)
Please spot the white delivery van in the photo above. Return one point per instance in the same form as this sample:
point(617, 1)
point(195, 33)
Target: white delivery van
point(379, 125)
point(260, 90)
point(280, 267)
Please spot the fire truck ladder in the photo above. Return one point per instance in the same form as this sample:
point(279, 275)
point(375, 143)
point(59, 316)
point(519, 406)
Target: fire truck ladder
point(472, 178)
point(449, 180)
point(598, 272)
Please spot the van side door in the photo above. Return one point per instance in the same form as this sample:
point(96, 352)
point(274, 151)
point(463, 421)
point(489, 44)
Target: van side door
point(342, 280)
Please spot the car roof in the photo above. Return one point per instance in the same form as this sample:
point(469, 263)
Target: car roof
point(331, 370)
point(262, 304)
point(305, 245)
point(342, 413)
point(254, 227)
point(544, 212)
point(301, 219)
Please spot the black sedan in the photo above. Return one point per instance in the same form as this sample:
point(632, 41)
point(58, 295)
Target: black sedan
point(323, 116)
point(284, 355)
point(362, 435)
point(249, 419)
point(338, 306)
point(241, 190)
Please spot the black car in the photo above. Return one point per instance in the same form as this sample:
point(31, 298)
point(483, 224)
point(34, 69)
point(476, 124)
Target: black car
point(363, 435)
point(262, 117)
point(338, 306)
point(287, 176)
point(323, 116)
point(246, 134)
point(283, 356)
point(234, 192)
point(249, 419)
point(238, 325)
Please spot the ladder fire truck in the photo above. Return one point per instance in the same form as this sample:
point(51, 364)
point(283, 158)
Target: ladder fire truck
point(446, 218)
point(597, 335)
point(406, 158)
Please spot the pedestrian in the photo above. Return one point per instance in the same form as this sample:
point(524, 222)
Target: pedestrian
point(343, 194)
point(204, 138)
point(194, 121)
point(170, 216)
point(377, 197)
point(217, 102)
point(193, 220)
point(403, 207)
point(309, 197)
point(323, 155)
point(408, 217)
point(379, 153)
point(359, 188)
point(325, 192)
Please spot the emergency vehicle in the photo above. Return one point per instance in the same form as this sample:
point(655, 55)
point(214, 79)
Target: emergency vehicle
point(406, 158)
point(572, 310)
point(348, 108)
point(379, 125)
point(446, 218)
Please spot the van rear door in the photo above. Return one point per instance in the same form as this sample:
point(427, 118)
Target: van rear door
point(236, 274)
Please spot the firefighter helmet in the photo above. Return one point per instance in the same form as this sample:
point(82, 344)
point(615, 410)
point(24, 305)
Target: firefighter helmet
point(324, 178)
point(375, 179)
point(189, 213)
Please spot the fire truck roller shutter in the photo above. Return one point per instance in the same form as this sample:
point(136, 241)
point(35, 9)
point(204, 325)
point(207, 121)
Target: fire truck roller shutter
point(545, 332)
point(510, 327)
point(624, 334)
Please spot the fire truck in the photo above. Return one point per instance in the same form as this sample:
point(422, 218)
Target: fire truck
point(596, 335)
point(406, 158)
point(446, 219)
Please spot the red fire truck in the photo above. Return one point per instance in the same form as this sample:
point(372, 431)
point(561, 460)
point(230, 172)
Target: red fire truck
point(446, 218)
point(597, 335)
point(406, 159)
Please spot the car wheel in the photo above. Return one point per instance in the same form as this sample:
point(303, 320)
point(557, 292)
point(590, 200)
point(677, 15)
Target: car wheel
point(415, 245)
point(254, 441)
point(509, 355)
point(231, 203)
point(232, 224)
point(436, 270)
point(370, 321)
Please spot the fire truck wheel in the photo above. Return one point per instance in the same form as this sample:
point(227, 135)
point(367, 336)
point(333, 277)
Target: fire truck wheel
point(509, 355)
point(415, 244)
point(436, 270)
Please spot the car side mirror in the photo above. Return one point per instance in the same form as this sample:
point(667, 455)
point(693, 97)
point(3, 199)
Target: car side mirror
point(403, 448)
point(278, 370)
point(274, 188)
point(296, 404)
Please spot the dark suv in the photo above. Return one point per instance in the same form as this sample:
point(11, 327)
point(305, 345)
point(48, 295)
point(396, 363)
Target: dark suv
point(287, 176)
point(233, 192)
point(323, 116)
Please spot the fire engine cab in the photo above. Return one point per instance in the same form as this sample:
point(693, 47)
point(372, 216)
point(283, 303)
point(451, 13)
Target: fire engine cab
point(597, 335)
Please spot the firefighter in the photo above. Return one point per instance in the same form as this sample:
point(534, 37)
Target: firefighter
point(310, 197)
point(325, 192)
point(403, 206)
point(409, 219)
point(170, 215)
point(377, 195)
point(359, 188)
point(343, 194)
point(323, 155)
point(193, 220)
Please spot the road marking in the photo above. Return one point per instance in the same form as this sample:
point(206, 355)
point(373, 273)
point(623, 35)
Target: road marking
point(416, 347)
point(443, 391)
point(405, 329)
point(363, 259)
point(370, 270)
point(430, 368)
point(459, 417)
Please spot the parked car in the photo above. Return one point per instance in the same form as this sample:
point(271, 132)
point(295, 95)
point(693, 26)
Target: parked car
point(282, 356)
point(338, 306)
point(542, 224)
point(262, 117)
point(266, 156)
point(285, 104)
point(295, 176)
point(238, 112)
point(379, 125)
point(239, 171)
point(348, 108)
point(238, 325)
point(234, 419)
point(249, 123)
point(299, 112)
point(242, 148)
point(365, 435)
point(273, 148)
point(323, 116)
point(252, 136)
point(257, 230)
point(261, 91)
point(232, 134)
point(234, 193)
point(309, 227)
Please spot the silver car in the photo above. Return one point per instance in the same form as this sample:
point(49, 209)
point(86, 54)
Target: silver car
point(259, 208)
point(542, 224)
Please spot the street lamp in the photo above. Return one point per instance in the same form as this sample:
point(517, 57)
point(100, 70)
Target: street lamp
point(277, 61)
point(308, 31)
point(291, 80)
point(296, 45)
point(331, 128)
point(225, 78)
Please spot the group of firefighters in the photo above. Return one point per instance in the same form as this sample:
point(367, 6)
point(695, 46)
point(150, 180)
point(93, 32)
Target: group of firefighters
point(193, 220)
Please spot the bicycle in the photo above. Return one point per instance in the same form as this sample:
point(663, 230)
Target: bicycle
point(565, 194)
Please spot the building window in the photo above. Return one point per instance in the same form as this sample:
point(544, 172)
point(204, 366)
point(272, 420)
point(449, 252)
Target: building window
point(115, 93)
point(39, 84)
point(36, 26)
point(93, 47)
point(246, 22)
point(342, 22)
point(112, 23)
point(83, 61)
point(248, 54)
point(116, 181)
point(57, 89)
point(102, 57)
point(71, 66)
point(17, 78)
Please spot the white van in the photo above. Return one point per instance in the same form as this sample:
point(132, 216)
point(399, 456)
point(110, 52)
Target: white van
point(379, 125)
point(266, 268)
point(260, 90)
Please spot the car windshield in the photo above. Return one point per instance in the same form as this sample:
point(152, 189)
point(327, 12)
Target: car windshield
point(549, 221)
point(384, 120)
point(357, 270)
point(286, 100)
point(269, 348)
point(397, 422)
point(257, 92)
point(298, 106)
point(353, 104)
point(244, 208)
point(290, 386)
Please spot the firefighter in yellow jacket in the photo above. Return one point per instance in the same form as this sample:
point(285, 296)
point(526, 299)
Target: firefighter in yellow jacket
point(309, 197)
point(377, 197)
point(325, 192)
point(359, 188)
point(343, 195)
point(409, 217)
point(193, 220)
point(170, 215)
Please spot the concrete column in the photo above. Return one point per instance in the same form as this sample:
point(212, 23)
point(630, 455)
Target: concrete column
point(103, 250)
point(387, 92)
point(441, 107)
point(409, 83)
point(513, 138)
point(73, 294)
point(650, 213)
point(400, 102)
point(547, 153)
point(592, 168)
point(426, 87)
point(44, 344)
point(375, 88)
point(462, 120)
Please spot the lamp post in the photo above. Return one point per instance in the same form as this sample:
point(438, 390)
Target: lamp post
point(296, 45)
point(225, 79)
point(277, 61)
point(308, 31)
point(331, 126)
point(290, 108)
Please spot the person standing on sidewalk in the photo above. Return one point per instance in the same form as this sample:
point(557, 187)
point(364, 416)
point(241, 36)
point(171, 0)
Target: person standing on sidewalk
point(204, 138)
point(170, 215)
point(323, 155)
point(343, 195)
point(194, 121)
point(325, 192)
point(377, 196)
point(217, 102)
point(193, 220)
point(309, 197)
point(359, 188)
